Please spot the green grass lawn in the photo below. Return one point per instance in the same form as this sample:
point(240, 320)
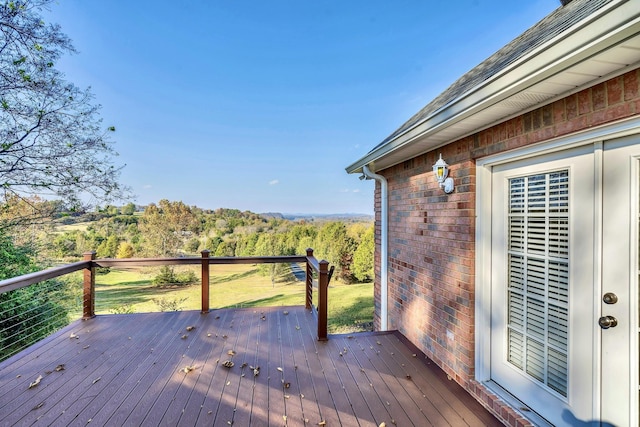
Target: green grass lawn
point(350, 306)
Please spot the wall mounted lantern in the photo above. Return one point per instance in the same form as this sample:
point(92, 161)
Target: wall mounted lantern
point(441, 171)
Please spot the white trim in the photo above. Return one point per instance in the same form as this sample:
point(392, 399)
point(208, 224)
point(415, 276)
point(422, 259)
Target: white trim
point(598, 210)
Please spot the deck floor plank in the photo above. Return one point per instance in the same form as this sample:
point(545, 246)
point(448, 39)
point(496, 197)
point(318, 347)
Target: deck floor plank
point(87, 355)
point(127, 370)
point(218, 397)
point(321, 387)
point(142, 358)
point(135, 361)
point(381, 382)
point(238, 348)
point(246, 357)
point(352, 380)
point(438, 387)
point(291, 354)
point(305, 392)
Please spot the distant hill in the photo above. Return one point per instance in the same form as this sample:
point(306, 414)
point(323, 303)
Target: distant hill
point(346, 217)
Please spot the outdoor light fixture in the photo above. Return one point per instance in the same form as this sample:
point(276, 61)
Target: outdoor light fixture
point(441, 170)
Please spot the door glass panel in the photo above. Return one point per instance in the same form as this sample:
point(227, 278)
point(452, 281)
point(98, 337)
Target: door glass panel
point(538, 274)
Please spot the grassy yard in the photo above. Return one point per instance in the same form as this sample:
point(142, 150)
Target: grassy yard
point(350, 306)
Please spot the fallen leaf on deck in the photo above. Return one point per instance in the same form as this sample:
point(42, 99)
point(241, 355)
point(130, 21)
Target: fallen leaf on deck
point(231, 353)
point(279, 369)
point(188, 369)
point(322, 423)
point(190, 328)
point(287, 385)
point(96, 380)
point(36, 382)
point(285, 312)
point(72, 336)
point(184, 337)
point(228, 382)
point(38, 406)
point(228, 364)
point(383, 424)
point(86, 347)
point(244, 365)
point(208, 335)
point(297, 327)
point(59, 368)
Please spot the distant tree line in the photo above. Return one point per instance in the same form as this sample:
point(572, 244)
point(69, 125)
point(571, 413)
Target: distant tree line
point(172, 228)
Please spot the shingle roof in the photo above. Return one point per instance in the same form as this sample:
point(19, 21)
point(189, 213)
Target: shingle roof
point(545, 30)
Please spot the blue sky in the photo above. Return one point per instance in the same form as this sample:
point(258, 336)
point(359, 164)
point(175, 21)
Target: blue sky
point(260, 105)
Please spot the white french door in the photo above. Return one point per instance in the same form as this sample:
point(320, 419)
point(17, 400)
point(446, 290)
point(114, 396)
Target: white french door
point(564, 234)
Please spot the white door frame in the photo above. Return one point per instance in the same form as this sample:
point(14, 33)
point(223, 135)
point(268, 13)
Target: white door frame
point(484, 169)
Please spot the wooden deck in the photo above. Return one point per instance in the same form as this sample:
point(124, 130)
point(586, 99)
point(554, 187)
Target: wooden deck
point(155, 369)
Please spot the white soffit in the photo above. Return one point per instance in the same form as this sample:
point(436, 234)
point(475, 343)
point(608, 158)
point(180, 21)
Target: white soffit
point(608, 47)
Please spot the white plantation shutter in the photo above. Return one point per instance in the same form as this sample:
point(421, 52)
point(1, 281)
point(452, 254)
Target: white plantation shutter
point(538, 277)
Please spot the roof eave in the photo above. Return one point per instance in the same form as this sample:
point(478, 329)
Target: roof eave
point(608, 27)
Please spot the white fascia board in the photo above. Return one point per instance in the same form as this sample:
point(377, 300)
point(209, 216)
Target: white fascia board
point(609, 26)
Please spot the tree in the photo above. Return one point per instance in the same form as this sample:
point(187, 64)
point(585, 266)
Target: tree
point(167, 226)
point(128, 209)
point(125, 250)
point(31, 313)
point(334, 245)
point(109, 247)
point(362, 265)
point(52, 141)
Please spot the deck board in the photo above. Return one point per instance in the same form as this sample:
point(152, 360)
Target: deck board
point(129, 370)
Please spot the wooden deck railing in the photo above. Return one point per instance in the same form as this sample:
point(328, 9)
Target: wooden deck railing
point(90, 263)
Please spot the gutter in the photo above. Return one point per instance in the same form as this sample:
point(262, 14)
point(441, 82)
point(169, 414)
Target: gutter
point(384, 244)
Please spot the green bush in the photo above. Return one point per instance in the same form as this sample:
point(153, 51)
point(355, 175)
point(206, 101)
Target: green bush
point(168, 276)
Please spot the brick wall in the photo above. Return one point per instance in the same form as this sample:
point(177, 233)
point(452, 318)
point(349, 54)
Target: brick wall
point(431, 234)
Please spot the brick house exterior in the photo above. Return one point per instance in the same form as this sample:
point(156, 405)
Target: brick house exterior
point(433, 249)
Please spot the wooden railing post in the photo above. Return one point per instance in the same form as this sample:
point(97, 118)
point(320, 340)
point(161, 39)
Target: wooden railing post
point(89, 288)
point(205, 281)
point(308, 302)
point(323, 285)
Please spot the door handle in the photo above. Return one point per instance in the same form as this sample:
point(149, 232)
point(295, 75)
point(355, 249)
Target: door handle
point(607, 322)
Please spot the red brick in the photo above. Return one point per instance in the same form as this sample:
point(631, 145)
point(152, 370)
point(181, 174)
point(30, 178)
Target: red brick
point(432, 234)
point(631, 85)
point(615, 91)
point(599, 97)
